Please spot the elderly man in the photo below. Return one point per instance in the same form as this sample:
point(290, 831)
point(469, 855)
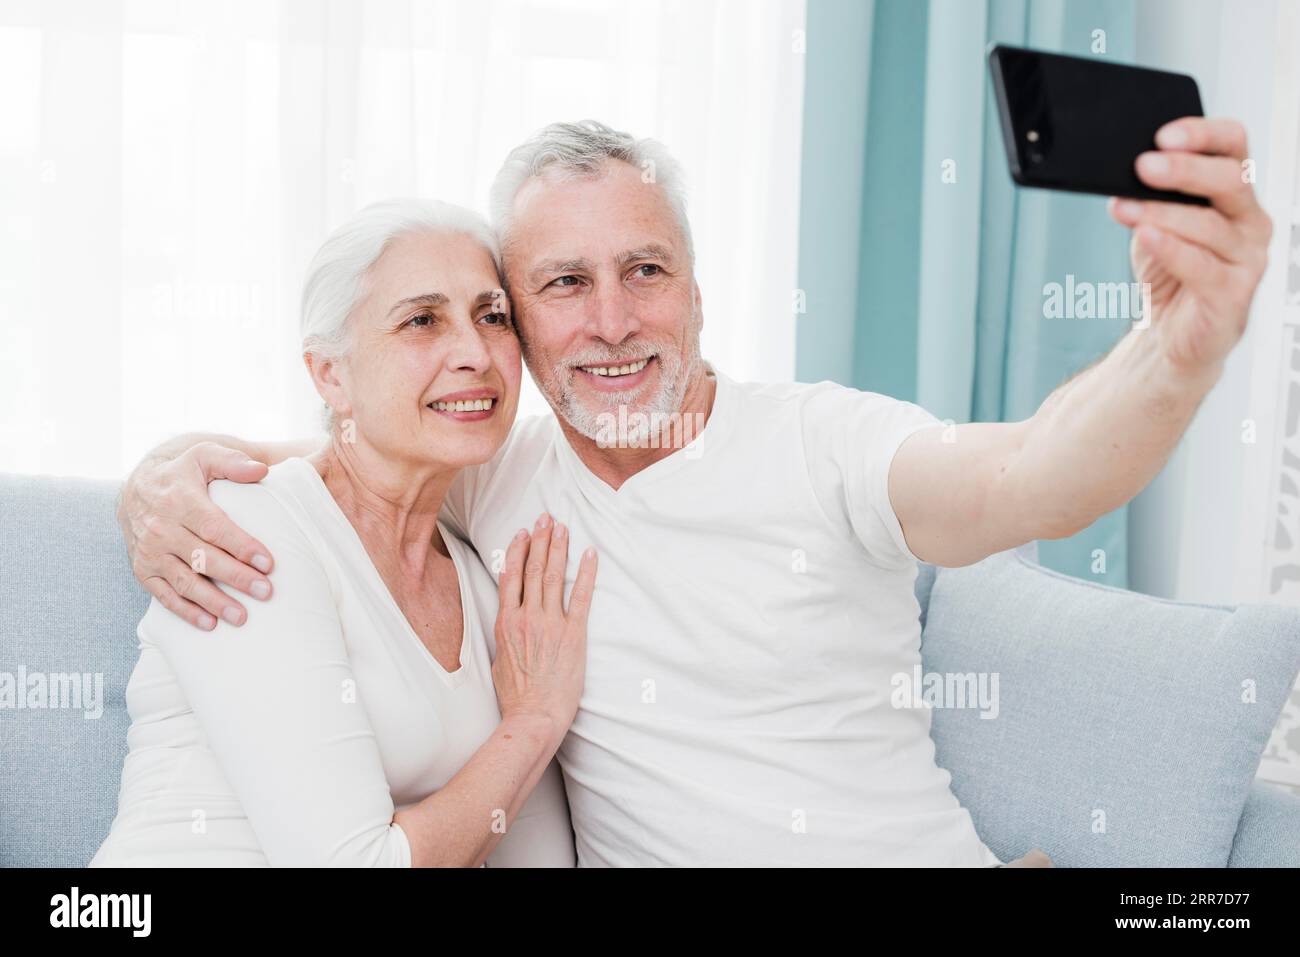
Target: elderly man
point(755, 597)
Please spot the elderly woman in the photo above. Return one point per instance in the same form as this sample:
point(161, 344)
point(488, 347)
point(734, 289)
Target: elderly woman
point(357, 717)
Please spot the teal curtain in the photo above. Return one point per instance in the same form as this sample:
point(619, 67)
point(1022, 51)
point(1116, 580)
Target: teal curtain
point(923, 266)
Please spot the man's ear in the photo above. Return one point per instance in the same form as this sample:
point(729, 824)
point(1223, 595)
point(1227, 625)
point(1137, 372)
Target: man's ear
point(325, 377)
point(699, 304)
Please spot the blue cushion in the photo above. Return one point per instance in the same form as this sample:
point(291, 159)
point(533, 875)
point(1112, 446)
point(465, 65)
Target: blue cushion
point(71, 605)
point(926, 574)
point(1122, 737)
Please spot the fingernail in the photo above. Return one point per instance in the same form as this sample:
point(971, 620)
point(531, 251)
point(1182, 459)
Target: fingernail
point(521, 535)
point(1154, 164)
point(207, 622)
point(560, 530)
point(543, 520)
point(262, 563)
point(259, 589)
point(1128, 209)
point(1172, 137)
point(1152, 236)
point(590, 553)
point(232, 615)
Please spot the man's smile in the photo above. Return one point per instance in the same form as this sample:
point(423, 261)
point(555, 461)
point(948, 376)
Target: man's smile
point(617, 378)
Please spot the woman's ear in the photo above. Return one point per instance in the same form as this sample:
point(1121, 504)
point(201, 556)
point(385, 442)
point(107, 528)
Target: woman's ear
point(325, 377)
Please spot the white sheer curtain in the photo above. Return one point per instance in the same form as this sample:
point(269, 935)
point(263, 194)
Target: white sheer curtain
point(167, 169)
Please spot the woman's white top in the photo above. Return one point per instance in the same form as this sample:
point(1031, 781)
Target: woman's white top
point(291, 740)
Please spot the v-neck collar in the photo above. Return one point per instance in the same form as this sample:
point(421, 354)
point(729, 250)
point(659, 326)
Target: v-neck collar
point(453, 679)
point(715, 432)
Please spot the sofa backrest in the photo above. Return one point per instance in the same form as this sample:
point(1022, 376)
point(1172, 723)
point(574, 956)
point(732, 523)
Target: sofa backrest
point(70, 609)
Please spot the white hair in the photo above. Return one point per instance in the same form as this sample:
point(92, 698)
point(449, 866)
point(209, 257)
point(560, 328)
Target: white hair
point(337, 276)
point(582, 149)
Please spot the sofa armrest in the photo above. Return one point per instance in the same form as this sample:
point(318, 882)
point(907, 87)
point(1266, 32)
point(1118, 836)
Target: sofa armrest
point(1269, 832)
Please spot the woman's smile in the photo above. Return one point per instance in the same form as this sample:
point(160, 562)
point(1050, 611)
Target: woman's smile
point(470, 405)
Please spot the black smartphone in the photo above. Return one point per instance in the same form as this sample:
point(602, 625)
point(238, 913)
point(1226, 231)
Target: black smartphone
point(1079, 124)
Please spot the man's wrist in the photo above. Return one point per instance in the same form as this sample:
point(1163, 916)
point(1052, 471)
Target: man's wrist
point(1174, 385)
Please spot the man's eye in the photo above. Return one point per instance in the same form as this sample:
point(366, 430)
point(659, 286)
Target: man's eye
point(566, 281)
point(498, 319)
point(423, 319)
point(654, 270)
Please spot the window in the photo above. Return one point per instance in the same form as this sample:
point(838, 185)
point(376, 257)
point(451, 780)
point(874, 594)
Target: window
point(168, 170)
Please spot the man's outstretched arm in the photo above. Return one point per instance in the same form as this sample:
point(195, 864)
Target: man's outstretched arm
point(178, 540)
point(1101, 437)
point(1094, 443)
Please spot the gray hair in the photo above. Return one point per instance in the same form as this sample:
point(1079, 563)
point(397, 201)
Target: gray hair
point(582, 149)
point(338, 274)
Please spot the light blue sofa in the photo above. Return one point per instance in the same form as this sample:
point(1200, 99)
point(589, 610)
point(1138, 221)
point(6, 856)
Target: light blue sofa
point(1056, 770)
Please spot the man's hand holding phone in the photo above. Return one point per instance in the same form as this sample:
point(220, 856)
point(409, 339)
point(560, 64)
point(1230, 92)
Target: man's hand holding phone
point(1179, 180)
point(179, 542)
point(1203, 263)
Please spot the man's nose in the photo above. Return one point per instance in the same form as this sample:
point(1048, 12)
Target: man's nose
point(612, 314)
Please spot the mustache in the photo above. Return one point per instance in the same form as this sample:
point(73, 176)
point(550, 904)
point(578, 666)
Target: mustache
point(620, 356)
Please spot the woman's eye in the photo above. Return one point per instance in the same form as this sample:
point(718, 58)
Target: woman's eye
point(498, 319)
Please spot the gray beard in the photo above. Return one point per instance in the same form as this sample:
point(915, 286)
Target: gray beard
point(634, 429)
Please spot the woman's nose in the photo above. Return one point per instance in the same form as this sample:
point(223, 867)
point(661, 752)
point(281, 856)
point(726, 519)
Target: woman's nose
point(469, 351)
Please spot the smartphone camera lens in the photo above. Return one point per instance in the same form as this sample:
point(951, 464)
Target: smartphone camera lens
point(1037, 140)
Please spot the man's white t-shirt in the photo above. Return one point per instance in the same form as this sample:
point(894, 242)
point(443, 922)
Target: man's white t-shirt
point(753, 601)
